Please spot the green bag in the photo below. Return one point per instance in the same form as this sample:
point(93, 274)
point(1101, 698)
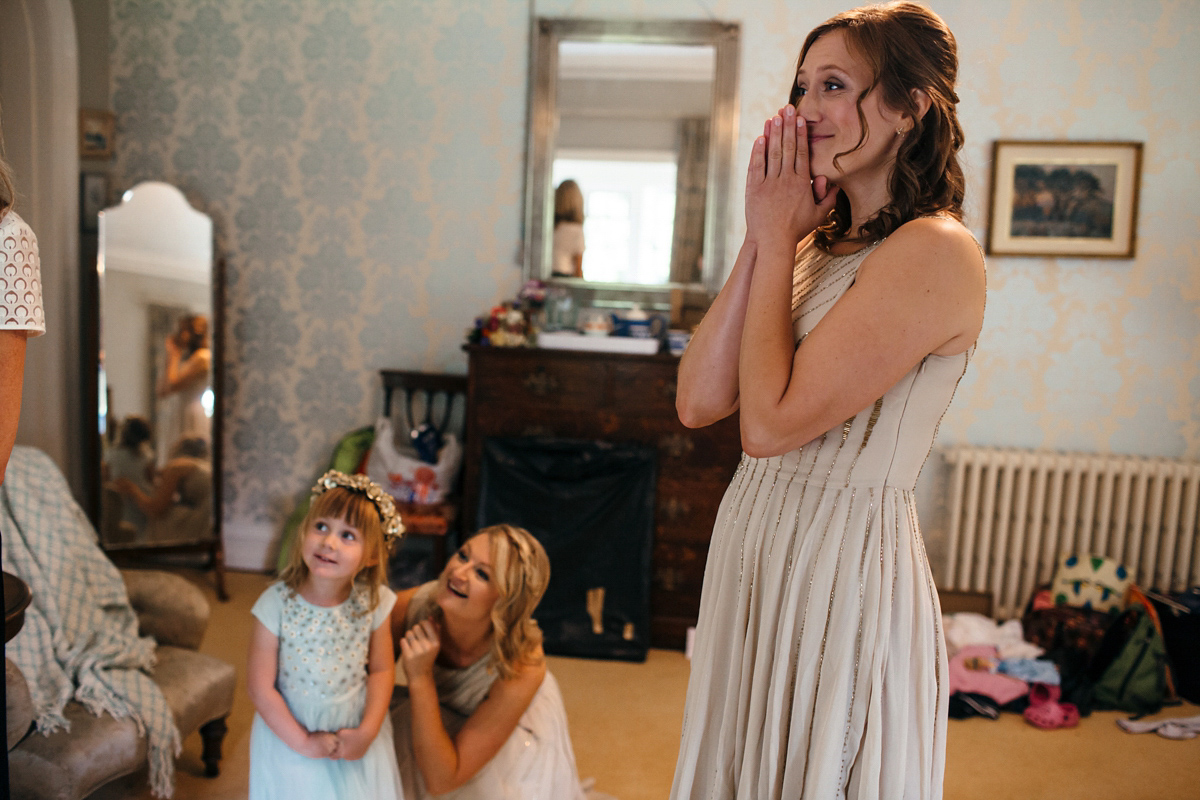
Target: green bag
point(1136, 680)
point(348, 456)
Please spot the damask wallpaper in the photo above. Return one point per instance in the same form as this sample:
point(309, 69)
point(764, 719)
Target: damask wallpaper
point(363, 160)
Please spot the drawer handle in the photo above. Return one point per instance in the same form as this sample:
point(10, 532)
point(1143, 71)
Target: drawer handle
point(675, 508)
point(540, 384)
point(677, 445)
point(536, 430)
point(668, 578)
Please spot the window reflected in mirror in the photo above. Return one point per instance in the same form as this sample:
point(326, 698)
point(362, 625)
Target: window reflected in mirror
point(629, 213)
point(628, 115)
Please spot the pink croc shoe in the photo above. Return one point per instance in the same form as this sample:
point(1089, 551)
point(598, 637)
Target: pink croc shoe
point(1051, 714)
point(1044, 693)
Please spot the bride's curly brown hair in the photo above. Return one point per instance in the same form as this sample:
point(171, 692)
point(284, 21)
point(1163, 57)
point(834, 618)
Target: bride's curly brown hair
point(907, 47)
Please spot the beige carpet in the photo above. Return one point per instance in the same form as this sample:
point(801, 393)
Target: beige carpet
point(625, 720)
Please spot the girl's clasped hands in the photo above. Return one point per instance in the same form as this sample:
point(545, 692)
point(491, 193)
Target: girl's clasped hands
point(348, 743)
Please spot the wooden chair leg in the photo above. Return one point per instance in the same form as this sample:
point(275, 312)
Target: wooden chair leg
point(212, 733)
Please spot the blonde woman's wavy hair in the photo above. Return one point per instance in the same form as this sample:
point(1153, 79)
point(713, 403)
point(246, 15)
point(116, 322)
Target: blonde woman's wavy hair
point(520, 571)
point(357, 510)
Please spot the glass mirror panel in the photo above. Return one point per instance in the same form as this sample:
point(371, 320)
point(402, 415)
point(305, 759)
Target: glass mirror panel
point(639, 115)
point(626, 112)
point(156, 401)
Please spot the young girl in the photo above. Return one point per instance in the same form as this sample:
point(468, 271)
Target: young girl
point(321, 667)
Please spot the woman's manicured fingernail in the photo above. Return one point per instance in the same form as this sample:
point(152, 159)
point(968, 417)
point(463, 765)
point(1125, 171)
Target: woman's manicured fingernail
point(789, 111)
point(776, 121)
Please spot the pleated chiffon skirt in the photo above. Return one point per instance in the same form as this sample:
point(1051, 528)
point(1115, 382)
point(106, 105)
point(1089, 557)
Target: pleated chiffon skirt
point(819, 669)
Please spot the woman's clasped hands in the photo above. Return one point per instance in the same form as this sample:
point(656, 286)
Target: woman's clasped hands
point(783, 199)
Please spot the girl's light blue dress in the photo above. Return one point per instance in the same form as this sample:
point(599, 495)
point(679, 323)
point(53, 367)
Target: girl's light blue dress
point(323, 678)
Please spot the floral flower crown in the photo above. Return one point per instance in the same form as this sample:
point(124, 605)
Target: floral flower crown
point(392, 526)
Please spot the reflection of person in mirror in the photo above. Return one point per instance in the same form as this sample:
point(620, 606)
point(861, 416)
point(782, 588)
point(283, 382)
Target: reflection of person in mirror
point(179, 506)
point(483, 718)
point(839, 338)
point(567, 260)
point(132, 459)
point(184, 382)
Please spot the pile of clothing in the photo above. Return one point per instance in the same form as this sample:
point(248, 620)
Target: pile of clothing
point(1091, 640)
point(993, 669)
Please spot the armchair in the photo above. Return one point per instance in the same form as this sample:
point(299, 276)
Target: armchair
point(199, 689)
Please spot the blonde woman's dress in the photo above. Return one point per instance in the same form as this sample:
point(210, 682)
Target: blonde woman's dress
point(323, 677)
point(819, 668)
point(189, 518)
point(536, 763)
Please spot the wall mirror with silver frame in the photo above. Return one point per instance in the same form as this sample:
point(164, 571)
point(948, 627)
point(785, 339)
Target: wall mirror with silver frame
point(157, 404)
point(642, 115)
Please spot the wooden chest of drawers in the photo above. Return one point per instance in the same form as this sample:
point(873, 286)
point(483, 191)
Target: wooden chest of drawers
point(616, 398)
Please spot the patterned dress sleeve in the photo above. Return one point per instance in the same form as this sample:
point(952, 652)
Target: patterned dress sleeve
point(383, 611)
point(20, 278)
point(268, 609)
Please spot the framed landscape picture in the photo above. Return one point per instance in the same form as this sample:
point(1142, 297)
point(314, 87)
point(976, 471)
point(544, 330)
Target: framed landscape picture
point(96, 131)
point(1073, 199)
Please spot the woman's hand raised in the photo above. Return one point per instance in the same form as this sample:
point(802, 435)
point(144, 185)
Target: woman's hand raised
point(782, 198)
point(419, 649)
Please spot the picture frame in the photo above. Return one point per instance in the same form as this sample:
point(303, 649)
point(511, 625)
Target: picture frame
point(93, 198)
point(97, 129)
point(1064, 198)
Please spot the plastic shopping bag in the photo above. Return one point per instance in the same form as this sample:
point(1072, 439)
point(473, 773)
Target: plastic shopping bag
point(404, 475)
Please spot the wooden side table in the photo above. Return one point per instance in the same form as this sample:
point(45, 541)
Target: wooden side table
point(16, 599)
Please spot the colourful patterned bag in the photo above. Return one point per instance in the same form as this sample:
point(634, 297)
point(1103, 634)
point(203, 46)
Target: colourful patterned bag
point(1086, 581)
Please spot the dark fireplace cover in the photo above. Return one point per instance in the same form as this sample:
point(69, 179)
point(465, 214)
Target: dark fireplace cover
point(591, 505)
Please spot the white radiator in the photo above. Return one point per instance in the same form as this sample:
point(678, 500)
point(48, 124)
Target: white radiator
point(1013, 513)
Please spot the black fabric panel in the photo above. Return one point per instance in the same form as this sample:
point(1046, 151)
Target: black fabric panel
point(591, 505)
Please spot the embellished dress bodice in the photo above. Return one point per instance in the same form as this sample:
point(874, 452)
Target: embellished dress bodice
point(322, 656)
point(889, 442)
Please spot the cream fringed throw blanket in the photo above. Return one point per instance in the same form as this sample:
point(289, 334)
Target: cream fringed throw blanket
point(80, 639)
